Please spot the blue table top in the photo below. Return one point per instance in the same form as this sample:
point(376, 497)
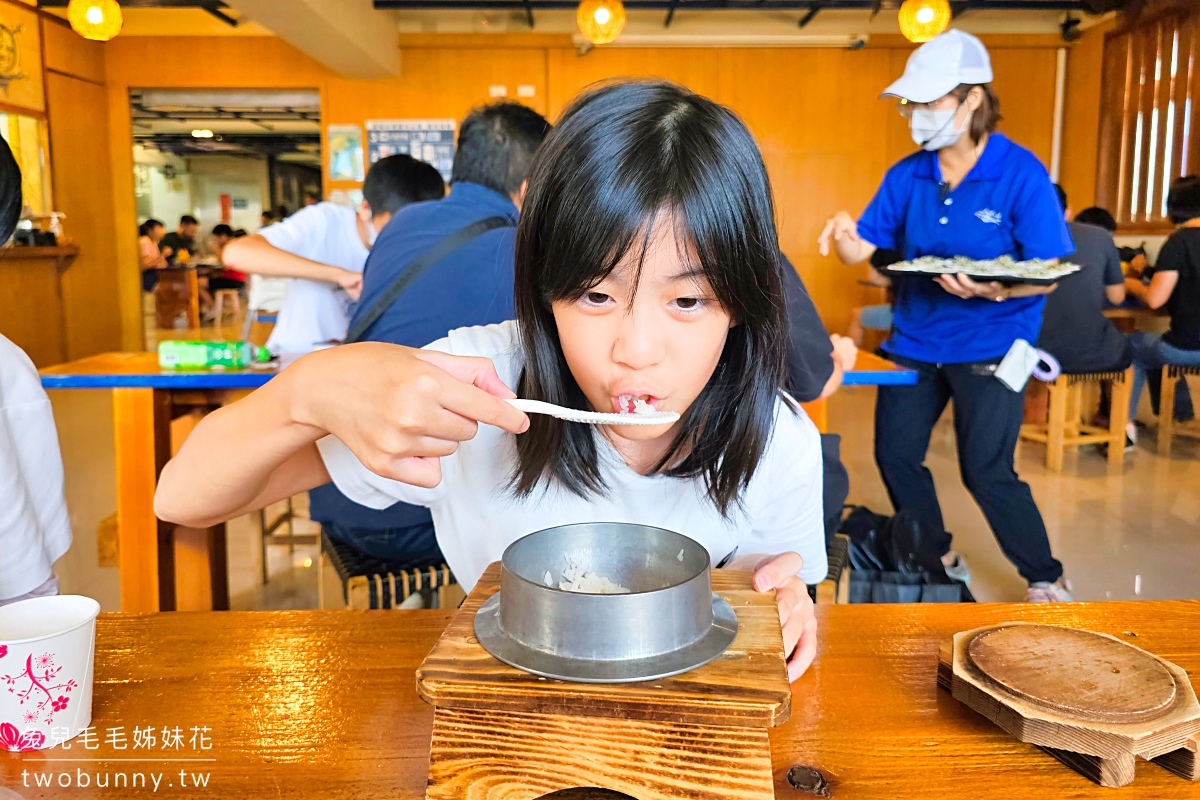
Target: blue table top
point(141, 371)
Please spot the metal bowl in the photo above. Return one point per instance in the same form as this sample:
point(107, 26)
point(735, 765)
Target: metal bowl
point(669, 622)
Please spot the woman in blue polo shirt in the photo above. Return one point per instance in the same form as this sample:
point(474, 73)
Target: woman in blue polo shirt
point(971, 192)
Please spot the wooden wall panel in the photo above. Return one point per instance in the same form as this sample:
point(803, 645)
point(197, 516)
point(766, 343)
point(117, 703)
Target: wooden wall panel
point(1081, 118)
point(31, 311)
point(825, 138)
point(69, 53)
point(78, 115)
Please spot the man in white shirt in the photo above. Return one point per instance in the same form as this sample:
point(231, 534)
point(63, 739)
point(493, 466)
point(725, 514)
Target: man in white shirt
point(323, 247)
point(34, 527)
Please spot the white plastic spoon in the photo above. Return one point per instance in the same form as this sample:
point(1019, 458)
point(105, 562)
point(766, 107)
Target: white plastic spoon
point(593, 417)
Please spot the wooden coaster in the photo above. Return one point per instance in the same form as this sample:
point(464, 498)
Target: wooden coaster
point(1089, 699)
point(700, 735)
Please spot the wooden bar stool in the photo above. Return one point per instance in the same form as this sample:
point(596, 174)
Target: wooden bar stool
point(1065, 427)
point(230, 297)
point(1166, 408)
point(368, 582)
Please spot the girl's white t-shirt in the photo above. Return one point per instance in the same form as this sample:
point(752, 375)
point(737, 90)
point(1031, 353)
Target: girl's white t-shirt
point(313, 311)
point(35, 530)
point(476, 515)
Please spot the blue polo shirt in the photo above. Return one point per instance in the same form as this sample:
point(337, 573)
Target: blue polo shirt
point(471, 286)
point(1006, 205)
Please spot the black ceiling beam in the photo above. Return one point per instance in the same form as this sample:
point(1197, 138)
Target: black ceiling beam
point(201, 4)
point(216, 9)
point(708, 5)
point(813, 10)
point(670, 13)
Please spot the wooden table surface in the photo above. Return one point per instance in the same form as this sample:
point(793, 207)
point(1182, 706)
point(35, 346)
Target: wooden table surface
point(323, 704)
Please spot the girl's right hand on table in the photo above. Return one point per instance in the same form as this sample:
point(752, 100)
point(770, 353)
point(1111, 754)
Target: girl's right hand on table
point(399, 410)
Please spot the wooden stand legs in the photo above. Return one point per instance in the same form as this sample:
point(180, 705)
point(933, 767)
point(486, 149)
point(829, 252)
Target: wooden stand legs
point(491, 755)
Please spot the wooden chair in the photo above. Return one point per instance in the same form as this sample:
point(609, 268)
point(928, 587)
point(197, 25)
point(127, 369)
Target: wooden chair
point(1065, 428)
point(368, 582)
point(836, 586)
point(1167, 427)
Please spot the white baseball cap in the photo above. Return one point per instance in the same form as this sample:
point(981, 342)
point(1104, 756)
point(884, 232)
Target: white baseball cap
point(939, 65)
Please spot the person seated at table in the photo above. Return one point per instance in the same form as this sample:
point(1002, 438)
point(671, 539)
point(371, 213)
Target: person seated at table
point(266, 218)
point(323, 249)
point(1074, 328)
point(1176, 287)
point(638, 276)
point(222, 235)
point(1100, 218)
point(150, 234)
point(181, 240)
point(35, 530)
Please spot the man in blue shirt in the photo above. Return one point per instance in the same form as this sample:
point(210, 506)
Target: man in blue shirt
point(470, 285)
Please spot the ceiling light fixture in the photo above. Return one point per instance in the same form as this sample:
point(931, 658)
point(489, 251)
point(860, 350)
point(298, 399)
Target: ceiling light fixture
point(921, 20)
point(99, 20)
point(600, 21)
point(202, 133)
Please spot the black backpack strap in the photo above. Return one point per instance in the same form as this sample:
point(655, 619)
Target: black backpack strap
point(417, 267)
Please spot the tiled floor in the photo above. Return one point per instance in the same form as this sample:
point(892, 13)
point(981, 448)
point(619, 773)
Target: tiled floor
point(1130, 534)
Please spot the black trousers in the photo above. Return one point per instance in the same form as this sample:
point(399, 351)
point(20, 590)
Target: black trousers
point(987, 421)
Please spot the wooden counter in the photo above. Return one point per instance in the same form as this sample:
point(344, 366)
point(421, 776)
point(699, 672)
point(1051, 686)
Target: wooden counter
point(32, 314)
point(323, 704)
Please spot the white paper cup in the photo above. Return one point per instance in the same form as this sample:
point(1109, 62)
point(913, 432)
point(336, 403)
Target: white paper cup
point(47, 646)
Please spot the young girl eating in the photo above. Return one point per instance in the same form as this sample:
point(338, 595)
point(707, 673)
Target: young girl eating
point(647, 269)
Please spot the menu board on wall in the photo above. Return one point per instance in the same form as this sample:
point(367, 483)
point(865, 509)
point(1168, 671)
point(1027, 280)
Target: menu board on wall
point(429, 140)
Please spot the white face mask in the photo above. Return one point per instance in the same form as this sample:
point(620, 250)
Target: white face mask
point(372, 234)
point(933, 130)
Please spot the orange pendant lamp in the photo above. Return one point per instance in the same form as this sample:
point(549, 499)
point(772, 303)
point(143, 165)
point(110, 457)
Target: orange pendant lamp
point(99, 20)
point(921, 20)
point(600, 21)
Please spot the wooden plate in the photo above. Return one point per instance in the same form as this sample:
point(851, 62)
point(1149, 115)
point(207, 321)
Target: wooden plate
point(1076, 673)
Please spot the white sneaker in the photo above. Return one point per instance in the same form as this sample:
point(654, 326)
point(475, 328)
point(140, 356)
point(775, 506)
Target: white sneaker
point(958, 570)
point(1130, 437)
point(1043, 592)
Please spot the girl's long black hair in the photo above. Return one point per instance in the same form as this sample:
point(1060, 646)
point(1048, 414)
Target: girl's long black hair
point(622, 155)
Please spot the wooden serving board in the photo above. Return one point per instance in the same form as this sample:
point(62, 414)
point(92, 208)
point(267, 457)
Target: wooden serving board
point(747, 686)
point(1091, 700)
point(503, 734)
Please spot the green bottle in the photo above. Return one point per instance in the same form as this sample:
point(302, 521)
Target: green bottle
point(175, 354)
